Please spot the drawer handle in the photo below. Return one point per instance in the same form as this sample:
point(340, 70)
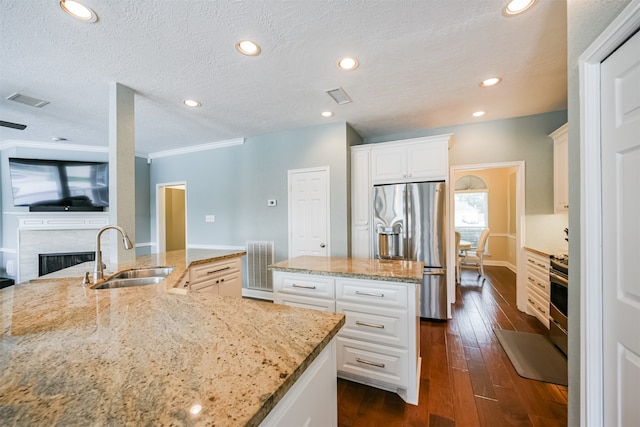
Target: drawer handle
point(531, 301)
point(370, 325)
point(367, 362)
point(541, 310)
point(370, 294)
point(219, 270)
point(531, 279)
point(303, 286)
point(541, 285)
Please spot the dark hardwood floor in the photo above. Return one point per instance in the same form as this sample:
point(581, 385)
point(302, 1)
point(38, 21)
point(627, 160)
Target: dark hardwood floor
point(467, 378)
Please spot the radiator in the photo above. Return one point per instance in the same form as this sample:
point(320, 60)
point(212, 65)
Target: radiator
point(260, 255)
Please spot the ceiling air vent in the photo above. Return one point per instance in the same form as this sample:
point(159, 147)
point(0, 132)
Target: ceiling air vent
point(27, 100)
point(13, 125)
point(339, 95)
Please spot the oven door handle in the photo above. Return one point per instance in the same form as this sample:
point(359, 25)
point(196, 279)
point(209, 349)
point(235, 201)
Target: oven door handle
point(554, 278)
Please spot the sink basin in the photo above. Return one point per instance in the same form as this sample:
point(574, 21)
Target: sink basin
point(129, 282)
point(144, 272)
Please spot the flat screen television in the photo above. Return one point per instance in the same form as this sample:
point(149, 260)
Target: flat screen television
point(59, 185)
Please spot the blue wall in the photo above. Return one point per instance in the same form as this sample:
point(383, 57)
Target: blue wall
point(234, 184)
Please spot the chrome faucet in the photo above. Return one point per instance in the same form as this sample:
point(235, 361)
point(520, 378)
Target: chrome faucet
point(98, 272)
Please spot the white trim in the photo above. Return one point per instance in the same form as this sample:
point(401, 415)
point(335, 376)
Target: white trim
point(195, 148)
point(591, 281)
point(59, 146)
point(290, 172)
point(501, 264)
point(253, 293)
point(521, 297)
point(63, 221)
point(144, 244)
point(8, 251)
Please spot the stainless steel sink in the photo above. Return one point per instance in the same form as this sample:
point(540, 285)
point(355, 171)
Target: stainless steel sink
point(129, 282)
point(144, 272)
point(136, 277)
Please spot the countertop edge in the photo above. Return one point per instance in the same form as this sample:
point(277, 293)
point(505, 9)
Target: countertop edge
point(277, 396)
point(348, 275)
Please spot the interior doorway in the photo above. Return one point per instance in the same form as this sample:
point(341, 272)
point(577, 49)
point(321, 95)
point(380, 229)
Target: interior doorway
point(515, 220)
point(171, 212)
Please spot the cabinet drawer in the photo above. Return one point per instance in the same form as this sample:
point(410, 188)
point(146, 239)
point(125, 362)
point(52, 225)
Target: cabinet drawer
point(539, 307)
point(538, 264)
point(212, 270)
point(306, 302)
point(376, 324)
point(375, 362)
point(372, 293)
point(302, 284)
point(541, 286)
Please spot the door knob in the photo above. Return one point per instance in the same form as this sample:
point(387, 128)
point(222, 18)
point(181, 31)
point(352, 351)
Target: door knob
point(322, 245)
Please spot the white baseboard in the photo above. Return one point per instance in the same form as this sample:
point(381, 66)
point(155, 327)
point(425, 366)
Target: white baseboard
point(502, 264)
point(252, 293)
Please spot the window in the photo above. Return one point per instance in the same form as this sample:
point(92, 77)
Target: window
point(471, 208)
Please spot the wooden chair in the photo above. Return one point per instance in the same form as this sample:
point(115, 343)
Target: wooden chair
point(458, 257)
point(477, 259)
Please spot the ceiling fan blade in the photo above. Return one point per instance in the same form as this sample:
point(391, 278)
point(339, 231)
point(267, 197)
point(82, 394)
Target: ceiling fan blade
point(13, 125)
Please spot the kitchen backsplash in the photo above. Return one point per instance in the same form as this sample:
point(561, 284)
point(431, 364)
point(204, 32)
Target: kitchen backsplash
point(547, 231)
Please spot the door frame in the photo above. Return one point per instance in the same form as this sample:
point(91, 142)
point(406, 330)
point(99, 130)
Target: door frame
point(591, 280)
point(291, 172)
point(521, 285)
point(161, 239)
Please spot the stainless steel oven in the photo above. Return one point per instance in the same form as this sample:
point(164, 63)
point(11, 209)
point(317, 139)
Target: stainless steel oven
point(559, 278)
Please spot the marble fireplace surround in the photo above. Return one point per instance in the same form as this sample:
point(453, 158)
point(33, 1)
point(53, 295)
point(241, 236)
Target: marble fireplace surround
point(57, 233)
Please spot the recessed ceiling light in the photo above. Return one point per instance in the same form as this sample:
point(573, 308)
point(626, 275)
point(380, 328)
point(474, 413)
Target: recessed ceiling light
point(58, 138)
point(490, 82)
point(78, 10)
point(515, 7)
point(348, 64)
point(326, 114)
point(247, 47)
point(191, 103)
point(478, 114)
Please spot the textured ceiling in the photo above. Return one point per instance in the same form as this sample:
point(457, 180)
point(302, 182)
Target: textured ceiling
point(420, 65)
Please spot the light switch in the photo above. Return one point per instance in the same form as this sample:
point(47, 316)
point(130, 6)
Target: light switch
point(272, 202)
point(209, 218)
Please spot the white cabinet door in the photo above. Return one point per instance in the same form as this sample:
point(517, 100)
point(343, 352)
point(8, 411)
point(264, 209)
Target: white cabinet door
point(561, 169)
point(427, 161)
point(388, 164)
point(360, 202)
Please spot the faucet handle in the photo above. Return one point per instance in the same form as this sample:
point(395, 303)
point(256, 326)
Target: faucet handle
point(86, 280)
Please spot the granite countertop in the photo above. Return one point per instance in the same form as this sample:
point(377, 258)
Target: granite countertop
point(71, 355)
point(181, 260)
point(547, 251)
point(361, 268)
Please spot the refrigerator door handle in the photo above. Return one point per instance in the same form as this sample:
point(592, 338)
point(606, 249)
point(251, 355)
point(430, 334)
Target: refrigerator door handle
point(435, 273)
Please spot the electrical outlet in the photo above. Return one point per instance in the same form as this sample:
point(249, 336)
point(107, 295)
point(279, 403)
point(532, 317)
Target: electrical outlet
point(272, 202)
point(209, 218)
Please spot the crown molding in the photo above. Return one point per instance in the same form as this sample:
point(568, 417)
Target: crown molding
point(195, 148)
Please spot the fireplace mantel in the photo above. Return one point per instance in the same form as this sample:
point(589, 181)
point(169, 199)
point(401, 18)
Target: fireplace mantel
point(63, 221)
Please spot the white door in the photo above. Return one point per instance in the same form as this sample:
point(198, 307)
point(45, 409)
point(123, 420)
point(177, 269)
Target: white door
point(620, 85)
point(309, 212)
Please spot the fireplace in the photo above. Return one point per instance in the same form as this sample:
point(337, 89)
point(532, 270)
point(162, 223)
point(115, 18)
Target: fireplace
point(48, 263)
point(63, 234)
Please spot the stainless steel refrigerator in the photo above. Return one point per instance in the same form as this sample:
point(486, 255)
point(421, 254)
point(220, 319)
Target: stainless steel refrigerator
point(409, 224)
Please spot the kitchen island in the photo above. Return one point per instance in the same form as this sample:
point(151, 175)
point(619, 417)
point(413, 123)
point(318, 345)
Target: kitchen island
point(380, 342)
point(152, 355)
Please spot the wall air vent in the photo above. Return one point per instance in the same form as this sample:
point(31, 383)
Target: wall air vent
point(339, 95)
point(27, 100)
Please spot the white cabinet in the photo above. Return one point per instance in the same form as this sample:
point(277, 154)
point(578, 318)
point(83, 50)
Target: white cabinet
point(418, 159)
point(222, 277)
point(538, 286)
point(361, 201)
point(313, 398)
point(379, 344)
point(561, 168)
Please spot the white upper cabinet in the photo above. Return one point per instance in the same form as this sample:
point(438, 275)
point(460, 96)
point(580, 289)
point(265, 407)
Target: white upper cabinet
point(561, 168)
point(418, 159)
